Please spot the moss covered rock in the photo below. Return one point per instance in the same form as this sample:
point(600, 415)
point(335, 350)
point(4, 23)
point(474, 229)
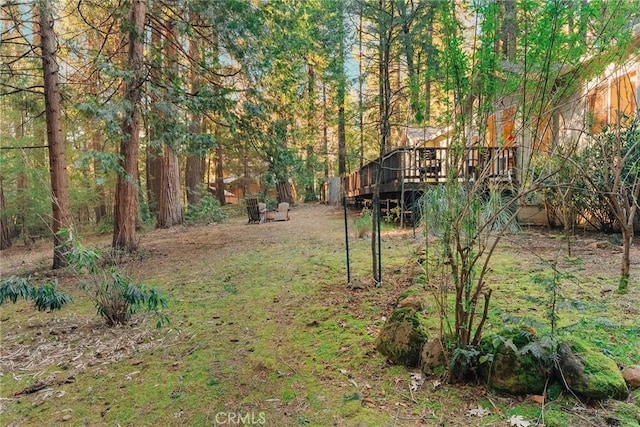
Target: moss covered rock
point(590, 373)
point(405, 331)
point(508, 371)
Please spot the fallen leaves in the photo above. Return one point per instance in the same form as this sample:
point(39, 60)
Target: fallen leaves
point(478, 412)
point(518, 421)
point(416, 381)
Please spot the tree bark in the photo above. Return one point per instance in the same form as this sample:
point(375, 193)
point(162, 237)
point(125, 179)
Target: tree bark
point(341, 95)
point(153, 169)
point(195, 163)
point(194, 178)
point(60, 197)
point(170, 206)
point(5, 237)
point(126, 201)
point(384, 88)
point(170, 212)
point(625, 266)
point(220, 172)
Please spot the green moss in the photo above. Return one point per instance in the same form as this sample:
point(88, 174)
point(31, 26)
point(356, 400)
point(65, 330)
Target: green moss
point(628, 413)
point(519, 335)
point(555, 418)
point(403, 336)
point(554, 391)
point(600, 378)
point(509, 371)
point(413, 291)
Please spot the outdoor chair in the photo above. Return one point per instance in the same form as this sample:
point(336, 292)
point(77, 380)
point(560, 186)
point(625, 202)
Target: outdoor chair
point(253, 211)
point(265, 215)
point(282, 214)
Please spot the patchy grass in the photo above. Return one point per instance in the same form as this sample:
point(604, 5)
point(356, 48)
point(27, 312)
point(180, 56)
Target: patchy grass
point(264, 328)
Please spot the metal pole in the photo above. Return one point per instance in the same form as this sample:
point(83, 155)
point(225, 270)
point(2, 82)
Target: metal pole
point(346, 238)
point(379, 248)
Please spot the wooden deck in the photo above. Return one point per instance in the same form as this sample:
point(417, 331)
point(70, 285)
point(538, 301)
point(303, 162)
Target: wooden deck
point(413, 169)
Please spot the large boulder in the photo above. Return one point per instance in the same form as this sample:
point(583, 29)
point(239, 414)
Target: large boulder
point(505, 369)
point(590, 373)
point(405, 331)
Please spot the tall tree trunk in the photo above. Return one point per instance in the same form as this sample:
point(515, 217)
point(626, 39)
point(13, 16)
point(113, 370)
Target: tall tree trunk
point(220, 172)
point(311, 129)
point(196, 162)
point(170, 206)
point(100, 210)
point(406, 13)
point(97, 140)
point(170, 212)
point(384, 88)
point(431, 63)
point(325, 131)
point(194, 178)
point(509, 30)
point(360, 91)
point(153, 154)
point(126, 201)
point(5, 237)
point(60, 197)
point(341, 95)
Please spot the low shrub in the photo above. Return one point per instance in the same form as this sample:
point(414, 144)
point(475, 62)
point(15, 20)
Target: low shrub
point(362, 224)
point(207, 212)
point(115, 296)
point(45, 297)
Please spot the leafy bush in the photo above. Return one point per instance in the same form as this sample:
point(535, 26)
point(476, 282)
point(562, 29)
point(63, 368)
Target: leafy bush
point(468, 224)
point(208, 211)
point(45, 297)
point(598, 161)
point(116, 298)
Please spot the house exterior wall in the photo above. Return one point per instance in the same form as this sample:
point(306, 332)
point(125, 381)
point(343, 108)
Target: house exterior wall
point(611, 98)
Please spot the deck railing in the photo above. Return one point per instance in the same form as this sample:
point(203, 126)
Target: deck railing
point(431, 166)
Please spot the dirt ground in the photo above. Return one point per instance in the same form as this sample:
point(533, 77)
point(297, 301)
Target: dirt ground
point(213, 247)
point(179, 244)
point(195, 243)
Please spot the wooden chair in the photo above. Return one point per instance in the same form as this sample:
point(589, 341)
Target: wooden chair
point(282, 214)
point(265, 215)
point(253, 211)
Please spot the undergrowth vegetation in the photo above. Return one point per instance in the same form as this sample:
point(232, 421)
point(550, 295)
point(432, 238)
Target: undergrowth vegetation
point(207, 212)
point(114, 294)
point(263, 324)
